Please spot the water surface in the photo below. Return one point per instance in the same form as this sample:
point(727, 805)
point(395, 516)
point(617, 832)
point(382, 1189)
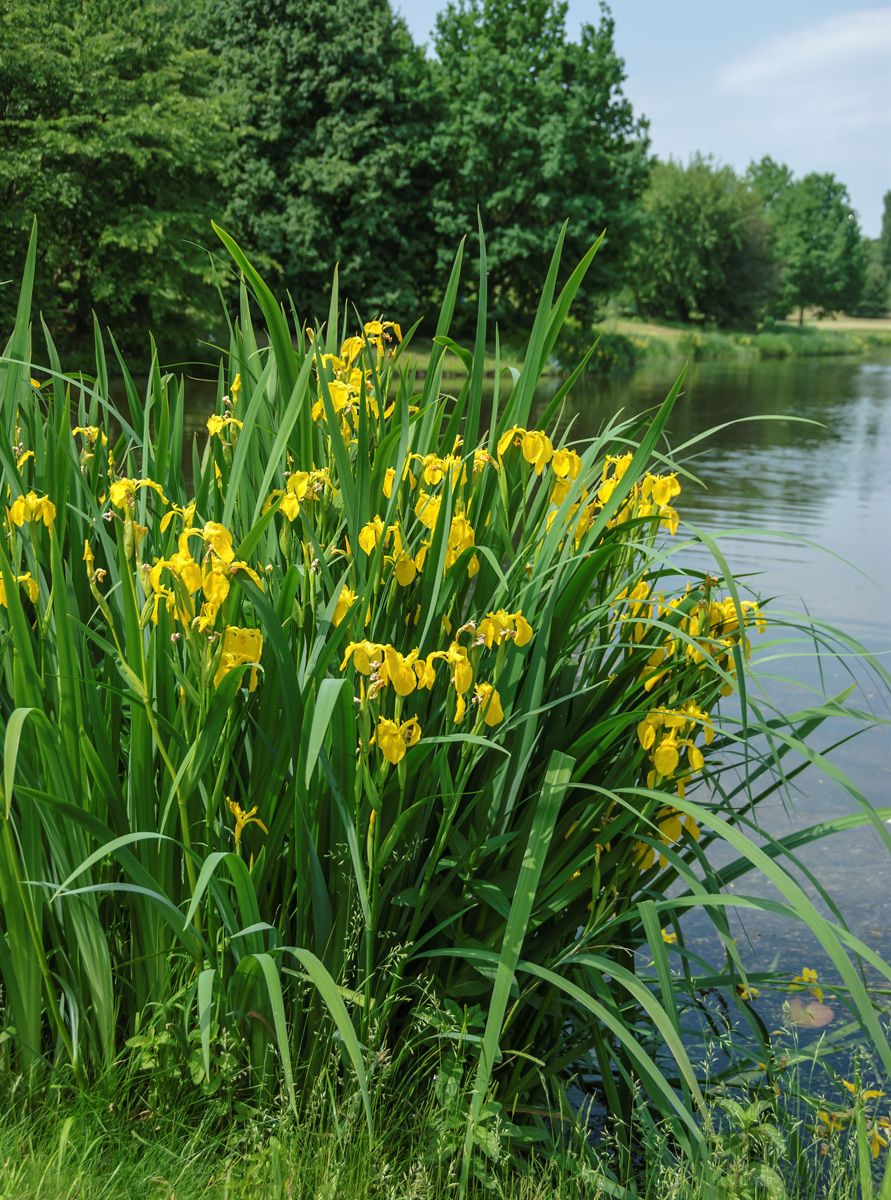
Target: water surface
point(802, 508)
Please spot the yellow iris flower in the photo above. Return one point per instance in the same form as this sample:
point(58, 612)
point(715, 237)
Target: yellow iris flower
point(219, 539)
point(394, 739)
point(240, 647)
point(501, 626)
point(370, 535)
point(345, 602)
point(243, 819)
point(537, 450)
point(666, 757)
point(809, 977)
point(566, 464)
point(29, 583)
point(462, 536)
point(122, 492)
point(427, 509)
point(490, 703)
point(31, 509)
point(365, 656)
point(398, 671)
point(216, 424)
point(671, 825)
point(186, 515)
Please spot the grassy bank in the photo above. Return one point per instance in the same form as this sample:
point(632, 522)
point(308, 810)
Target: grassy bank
point(106, 1145)
point(645, 340)
point(625, 344)
point(416, 358)
point(103, 1147)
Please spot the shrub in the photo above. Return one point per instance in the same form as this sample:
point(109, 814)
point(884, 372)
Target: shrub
point(613, 352)
point(704, 345)
point(376, 712)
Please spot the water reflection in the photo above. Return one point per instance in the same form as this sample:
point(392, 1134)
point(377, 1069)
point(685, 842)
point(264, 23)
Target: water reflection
point(789, 483)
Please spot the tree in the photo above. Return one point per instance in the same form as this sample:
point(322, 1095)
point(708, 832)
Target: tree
point(818, 246)
point(874, 296)
point(703, 250)
point(876, 299)
point(769, 180)
point(885, 235)
point(535, 131)
point(112, 137)
point(333, 161)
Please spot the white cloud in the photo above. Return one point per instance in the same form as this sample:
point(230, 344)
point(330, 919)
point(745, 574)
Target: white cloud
point(818, 99)
point(852, 50)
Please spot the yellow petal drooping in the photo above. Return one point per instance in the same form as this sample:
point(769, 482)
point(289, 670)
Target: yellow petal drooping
point(394, 739)
point(240, 647)
point(490, 703)
point(665, 758)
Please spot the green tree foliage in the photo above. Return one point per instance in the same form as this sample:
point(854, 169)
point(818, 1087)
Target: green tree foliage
point(769, 180)
point(817, 243)
point(874, 296)
point(885, 235)
point(536, 131)
point(333, 163)
point(703, 250)
point(112, 137)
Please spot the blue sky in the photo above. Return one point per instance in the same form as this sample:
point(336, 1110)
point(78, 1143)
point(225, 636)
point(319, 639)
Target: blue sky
point(806, 81)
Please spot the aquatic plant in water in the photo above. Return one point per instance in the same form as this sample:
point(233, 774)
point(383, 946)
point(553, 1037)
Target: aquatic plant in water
point(379, 720)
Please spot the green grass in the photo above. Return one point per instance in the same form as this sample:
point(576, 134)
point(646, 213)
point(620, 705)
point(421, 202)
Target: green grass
point(112, 1143)
point(94, 1151)
point(416, 359)
point(645, 340)
point(382, 724)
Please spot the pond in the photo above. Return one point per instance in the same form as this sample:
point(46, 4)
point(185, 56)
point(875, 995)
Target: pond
point(804, 511)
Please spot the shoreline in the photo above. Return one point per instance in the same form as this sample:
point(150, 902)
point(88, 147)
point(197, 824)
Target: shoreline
point(641, 341)
point(626, 344)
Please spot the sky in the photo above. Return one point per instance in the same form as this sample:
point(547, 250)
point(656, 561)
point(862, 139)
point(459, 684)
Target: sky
point(805, 81)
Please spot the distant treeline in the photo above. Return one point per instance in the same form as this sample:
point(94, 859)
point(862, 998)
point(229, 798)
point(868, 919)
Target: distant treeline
point(321, 134)
point(736, 250)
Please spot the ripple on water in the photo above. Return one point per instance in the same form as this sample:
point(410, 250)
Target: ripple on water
point(815, 503)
